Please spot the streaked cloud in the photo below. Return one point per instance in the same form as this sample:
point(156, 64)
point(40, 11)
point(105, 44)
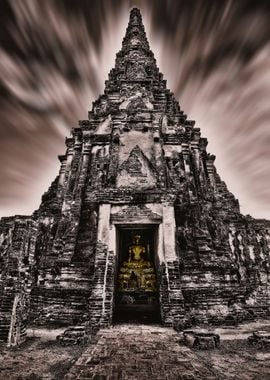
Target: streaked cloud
point(56, 55)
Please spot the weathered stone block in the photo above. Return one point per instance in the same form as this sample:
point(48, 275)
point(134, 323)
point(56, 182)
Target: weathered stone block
point(201, 340)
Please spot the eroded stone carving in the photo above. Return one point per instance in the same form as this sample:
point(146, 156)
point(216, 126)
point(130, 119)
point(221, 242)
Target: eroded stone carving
point(136, 170)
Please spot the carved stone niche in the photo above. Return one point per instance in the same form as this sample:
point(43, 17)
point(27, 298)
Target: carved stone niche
point(136, 70)
point(135, 89)
point(135, 105)
point(137, 171)
point(135, 55)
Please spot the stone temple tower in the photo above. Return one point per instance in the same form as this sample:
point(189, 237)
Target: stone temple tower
point(138, 225)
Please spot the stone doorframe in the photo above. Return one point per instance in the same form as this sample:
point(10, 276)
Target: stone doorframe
point(110, 217)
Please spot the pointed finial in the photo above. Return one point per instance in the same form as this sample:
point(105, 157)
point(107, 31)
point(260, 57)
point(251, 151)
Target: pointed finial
point(135, 16)
point(135, 34)
point(135, 12)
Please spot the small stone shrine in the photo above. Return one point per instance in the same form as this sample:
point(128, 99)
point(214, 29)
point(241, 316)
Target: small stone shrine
point(138, 225)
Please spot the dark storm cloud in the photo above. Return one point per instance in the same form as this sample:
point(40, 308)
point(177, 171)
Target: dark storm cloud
point(55, 57)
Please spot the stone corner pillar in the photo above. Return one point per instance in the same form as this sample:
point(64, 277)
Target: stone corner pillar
point(171, 297)
point(101, 299)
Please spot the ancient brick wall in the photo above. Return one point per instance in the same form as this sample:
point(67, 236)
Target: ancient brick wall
point(18, 238)
point(224, 261)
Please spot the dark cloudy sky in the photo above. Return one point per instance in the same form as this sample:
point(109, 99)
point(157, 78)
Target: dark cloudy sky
point(55, 56)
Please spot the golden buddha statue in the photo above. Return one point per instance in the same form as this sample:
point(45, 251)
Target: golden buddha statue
point(136, 251)
point(137, 273)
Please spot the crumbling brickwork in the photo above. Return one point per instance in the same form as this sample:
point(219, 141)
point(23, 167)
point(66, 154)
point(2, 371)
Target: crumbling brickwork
point(136, 161)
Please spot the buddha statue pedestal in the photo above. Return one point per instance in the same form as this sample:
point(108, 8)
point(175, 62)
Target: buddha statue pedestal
point(137, 276)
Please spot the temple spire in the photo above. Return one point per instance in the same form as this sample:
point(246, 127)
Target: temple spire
point(135, 62)
point(135, 34)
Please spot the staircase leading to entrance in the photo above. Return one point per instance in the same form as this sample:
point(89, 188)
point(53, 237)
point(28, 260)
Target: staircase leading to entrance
point(6, 305)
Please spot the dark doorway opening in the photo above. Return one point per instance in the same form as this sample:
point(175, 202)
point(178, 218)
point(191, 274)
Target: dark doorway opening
point(136, 290)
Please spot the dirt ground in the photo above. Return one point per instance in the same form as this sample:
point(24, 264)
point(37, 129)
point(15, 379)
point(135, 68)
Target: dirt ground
point(235, 359)
point(137, 352)
point(37, 359)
